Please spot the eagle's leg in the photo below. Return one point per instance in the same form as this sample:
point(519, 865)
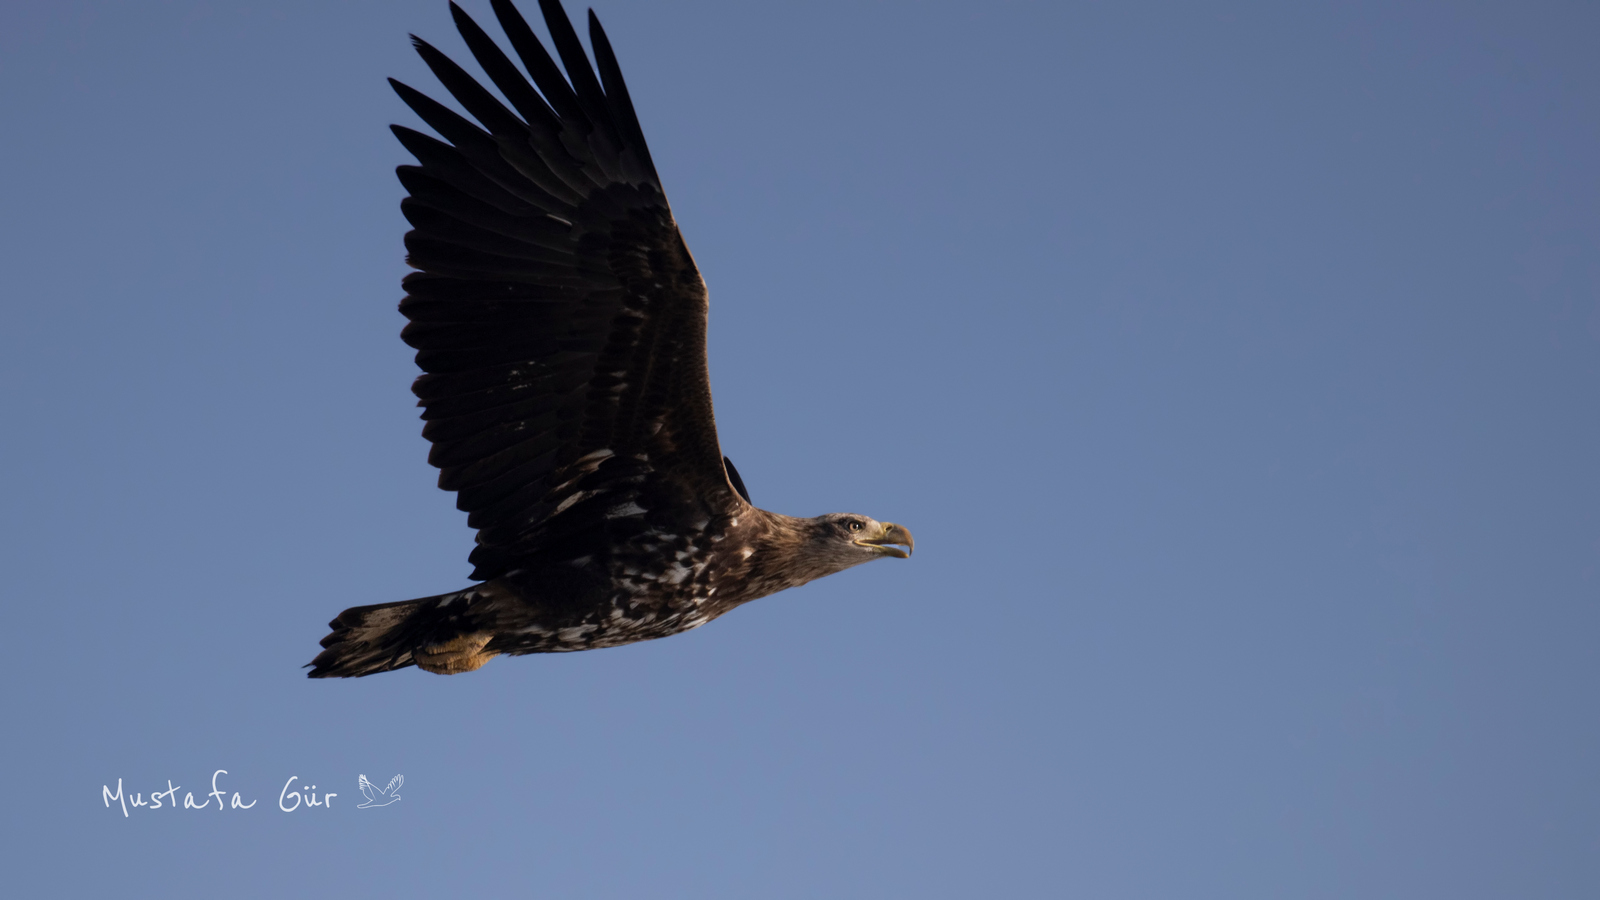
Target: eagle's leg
point(460, 654)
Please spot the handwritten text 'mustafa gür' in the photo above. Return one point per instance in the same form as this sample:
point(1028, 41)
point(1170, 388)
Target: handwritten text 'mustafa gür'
point(288, 800)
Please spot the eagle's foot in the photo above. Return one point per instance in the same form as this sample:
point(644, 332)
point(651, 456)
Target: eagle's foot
point(457, 655)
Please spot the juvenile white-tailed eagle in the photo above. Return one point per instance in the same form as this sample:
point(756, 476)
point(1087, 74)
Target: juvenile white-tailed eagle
point(560, 324)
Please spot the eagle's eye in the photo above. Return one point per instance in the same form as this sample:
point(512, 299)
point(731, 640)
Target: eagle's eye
point(855, 526)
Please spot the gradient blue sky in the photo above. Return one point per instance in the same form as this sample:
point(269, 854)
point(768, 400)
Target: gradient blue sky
point(1236, 365)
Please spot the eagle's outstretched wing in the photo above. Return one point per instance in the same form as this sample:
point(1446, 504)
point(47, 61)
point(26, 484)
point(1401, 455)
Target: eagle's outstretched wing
point(557, 313)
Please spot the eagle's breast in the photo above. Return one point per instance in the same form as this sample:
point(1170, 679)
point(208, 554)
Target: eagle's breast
point(658, 582)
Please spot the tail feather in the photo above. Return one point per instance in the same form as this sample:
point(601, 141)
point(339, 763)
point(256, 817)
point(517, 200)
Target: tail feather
point(427, 633)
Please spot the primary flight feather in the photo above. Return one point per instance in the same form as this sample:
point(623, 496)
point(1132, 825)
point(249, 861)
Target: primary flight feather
point(560, 324)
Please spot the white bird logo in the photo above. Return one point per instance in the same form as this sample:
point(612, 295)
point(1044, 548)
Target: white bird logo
point(376, 797)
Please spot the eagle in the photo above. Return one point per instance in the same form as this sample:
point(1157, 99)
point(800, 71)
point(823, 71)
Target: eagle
point(560, 325)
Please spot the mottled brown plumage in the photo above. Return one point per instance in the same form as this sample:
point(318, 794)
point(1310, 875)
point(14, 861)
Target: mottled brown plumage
point(560, 323)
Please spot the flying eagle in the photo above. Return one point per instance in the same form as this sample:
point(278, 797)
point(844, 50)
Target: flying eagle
point(560, 324)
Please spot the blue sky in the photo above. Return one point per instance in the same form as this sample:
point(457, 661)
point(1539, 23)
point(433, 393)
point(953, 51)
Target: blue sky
point(1236, 366)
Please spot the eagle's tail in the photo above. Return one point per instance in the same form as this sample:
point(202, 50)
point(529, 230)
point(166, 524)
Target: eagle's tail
point(435, 634)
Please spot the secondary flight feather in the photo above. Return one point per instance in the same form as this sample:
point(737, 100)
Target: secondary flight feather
point(560, 324)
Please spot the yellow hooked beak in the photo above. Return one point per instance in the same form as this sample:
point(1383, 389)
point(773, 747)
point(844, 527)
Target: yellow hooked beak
point(886, 541)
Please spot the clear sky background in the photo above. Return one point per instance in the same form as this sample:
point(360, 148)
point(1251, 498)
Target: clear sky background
point(1236, 365)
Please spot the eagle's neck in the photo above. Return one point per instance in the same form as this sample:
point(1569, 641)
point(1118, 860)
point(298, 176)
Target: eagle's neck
point(786, 553)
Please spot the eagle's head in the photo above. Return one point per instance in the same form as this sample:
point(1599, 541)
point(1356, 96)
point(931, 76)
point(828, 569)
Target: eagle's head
point(790, 552)
point(837, 541)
